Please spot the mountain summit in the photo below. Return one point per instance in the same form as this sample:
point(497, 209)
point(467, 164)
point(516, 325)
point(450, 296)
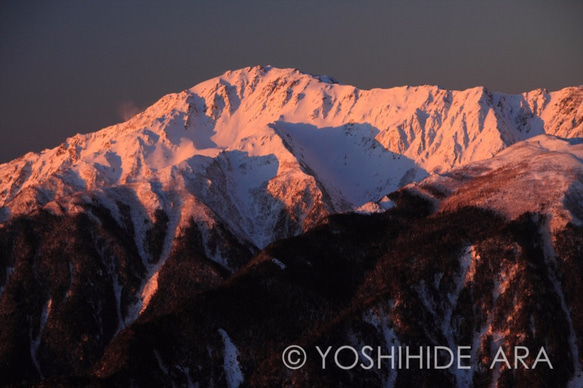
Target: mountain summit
point(262, 146)
point(185, 215)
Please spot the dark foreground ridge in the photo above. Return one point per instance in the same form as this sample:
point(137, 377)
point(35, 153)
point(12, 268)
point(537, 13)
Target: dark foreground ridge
point(406, 277)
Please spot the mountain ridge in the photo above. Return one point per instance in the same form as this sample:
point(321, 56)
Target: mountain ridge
point(195, 241)
point(249, 110)
point(259, 154)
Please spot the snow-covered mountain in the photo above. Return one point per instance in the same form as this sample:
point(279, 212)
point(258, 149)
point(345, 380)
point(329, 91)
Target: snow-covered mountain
point(269, 151)
point(178, 220)
point(542, 175)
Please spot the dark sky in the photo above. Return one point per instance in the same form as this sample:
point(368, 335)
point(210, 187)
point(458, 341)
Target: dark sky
point(78, 66)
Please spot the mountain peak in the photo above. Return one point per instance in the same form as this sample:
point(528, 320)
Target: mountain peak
point(268, 71)
point(250, 132)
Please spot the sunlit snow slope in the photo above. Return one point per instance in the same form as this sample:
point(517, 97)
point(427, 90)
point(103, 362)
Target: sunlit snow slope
point(269, 151)
point(542, 175)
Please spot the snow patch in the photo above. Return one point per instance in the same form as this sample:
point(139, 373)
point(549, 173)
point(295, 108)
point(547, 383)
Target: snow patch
point(502, 282)
point(376, 207)
point(380, 320)
point(550, 259)
point(9, 271)
point(278, 263)
point(468, 263)
point(35, 341)
point(369, 208)
point(467, 269)
point(149, 290)
point(233, 373)
point(161, 364)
